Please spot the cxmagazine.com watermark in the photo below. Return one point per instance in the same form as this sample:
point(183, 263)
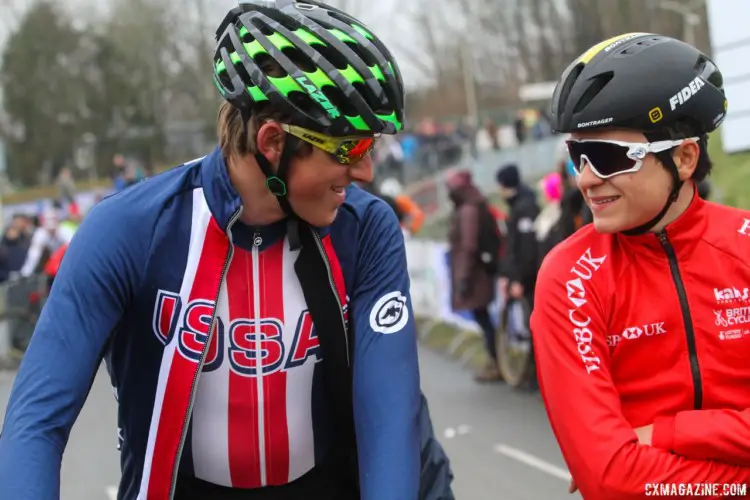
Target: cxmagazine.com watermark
point(696, 489)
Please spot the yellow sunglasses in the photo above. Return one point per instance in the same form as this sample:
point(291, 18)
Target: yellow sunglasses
point(345, 150)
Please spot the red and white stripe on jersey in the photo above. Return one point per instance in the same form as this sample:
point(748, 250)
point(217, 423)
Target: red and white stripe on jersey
point(206, 256)
point(252, 416)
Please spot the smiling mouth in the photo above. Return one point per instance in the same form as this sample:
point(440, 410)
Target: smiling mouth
point(338, 190)
point(603, 200)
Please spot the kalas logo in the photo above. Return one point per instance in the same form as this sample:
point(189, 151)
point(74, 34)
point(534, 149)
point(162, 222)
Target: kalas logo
point(731, 294)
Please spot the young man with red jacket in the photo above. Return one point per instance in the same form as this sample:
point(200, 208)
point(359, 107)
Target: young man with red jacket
point(641, 322)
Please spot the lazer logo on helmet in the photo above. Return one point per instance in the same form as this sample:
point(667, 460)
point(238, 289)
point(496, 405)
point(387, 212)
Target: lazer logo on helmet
point(686, 93)
point(318, 97)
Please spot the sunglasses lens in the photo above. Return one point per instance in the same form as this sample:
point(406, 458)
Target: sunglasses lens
point(606, 158)
point(352, 151)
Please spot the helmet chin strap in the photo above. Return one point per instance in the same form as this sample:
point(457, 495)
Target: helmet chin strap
point(277, 184)
point(666, 159)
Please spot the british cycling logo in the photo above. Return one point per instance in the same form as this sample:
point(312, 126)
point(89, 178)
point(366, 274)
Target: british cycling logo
point(584, 269)
point(636, 332)
point(389, 314)
point(732, 317)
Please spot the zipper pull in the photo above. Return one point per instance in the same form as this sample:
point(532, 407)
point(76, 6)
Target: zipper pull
point(257, 240)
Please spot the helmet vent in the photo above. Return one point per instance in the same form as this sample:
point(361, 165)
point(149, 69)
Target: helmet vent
point(363, 53)
point(568, 85)
point(305, 103)
point(338, 99)
point(370, 99)
point(299, 59)
point(708, 71)
point(640, 45)
point(596, 86)
point(332, 55)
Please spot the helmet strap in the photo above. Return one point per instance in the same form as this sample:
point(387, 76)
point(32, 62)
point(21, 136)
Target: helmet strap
point(666, 159)
point(277, 184)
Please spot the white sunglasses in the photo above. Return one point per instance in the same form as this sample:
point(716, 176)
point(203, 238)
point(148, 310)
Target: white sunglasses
point(615, 157)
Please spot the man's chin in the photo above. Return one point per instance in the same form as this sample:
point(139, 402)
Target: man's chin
point(322, 219)
point(606, 225)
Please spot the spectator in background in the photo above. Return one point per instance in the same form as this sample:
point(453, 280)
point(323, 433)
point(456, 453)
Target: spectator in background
point(47, 238)
point(127, 172)
point(549, 231)
point(521, 259)
point(13, 248)
point(572, 205)
point(411, 214)
point(472, 286)
point(66, 186)
point(520, 125)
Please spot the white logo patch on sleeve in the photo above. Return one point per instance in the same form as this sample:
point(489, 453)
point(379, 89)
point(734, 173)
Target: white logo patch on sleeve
point(389, 314)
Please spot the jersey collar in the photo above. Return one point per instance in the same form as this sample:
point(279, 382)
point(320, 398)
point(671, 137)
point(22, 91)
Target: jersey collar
point(683, 233)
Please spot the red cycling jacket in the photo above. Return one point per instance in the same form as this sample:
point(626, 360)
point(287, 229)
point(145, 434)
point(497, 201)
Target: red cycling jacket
point(652, 329)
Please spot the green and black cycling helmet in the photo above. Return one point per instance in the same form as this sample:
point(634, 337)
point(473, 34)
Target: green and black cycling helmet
point(340, 79)
point(646, 82)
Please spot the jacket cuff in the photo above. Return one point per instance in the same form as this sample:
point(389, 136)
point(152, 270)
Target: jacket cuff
point(663, 433)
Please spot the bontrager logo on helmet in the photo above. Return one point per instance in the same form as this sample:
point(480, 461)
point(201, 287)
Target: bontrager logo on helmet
point(603, 121)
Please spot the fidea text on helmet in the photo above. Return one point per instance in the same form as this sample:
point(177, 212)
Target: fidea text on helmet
point(687, 92)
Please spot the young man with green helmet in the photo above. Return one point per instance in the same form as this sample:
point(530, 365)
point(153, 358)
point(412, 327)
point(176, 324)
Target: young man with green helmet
point(252, 306)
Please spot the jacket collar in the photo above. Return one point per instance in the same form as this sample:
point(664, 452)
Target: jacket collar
point(683, 233)
point(223, 200)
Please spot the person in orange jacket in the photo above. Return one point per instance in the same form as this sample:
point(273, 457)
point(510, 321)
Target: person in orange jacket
point(411, 215)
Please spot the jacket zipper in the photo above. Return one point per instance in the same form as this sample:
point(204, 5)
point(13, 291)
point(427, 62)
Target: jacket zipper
point(686, 318)
point(183, 436)
point(331, 282)
point(257, 241)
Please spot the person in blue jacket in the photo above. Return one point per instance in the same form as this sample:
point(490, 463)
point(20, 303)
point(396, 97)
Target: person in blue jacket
point(187, 285)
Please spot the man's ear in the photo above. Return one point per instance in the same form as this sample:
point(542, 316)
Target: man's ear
point(686, 159)
point(270, 141)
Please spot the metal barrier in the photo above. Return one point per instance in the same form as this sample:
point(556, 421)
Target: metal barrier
point(534, 159)
point(21, 301)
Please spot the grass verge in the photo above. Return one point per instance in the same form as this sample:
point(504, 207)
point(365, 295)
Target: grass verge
point(442, 336)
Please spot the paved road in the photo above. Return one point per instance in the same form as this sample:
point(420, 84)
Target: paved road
point(501, 447)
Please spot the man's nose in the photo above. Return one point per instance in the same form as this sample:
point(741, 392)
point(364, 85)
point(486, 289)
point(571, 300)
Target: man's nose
point(587, 179)
point(362, 171)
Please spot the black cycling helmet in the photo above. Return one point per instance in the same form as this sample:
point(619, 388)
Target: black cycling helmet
point(340, 79)
point(646, 82)
point(639, 81)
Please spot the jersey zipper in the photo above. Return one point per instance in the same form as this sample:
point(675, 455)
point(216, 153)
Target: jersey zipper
point(331, 282)
point(183, 436)
point(686, 318)
point(257, 241)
